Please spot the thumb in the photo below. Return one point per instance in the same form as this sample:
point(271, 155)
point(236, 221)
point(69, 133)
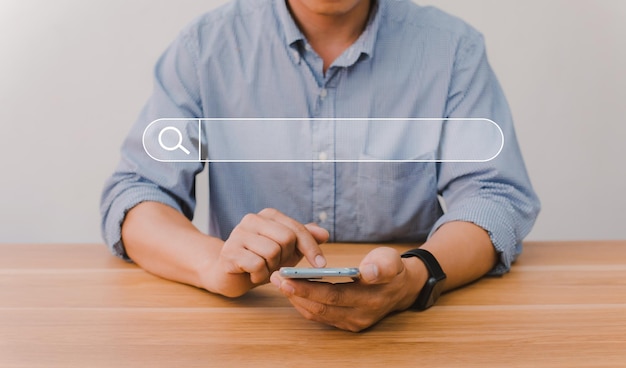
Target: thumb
point(380, 266)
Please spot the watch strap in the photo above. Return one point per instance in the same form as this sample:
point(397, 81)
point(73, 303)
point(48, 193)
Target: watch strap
point(434, 284)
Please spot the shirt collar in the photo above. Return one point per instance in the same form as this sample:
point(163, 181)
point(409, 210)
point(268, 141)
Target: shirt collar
point(363, 45)
point(368, 38)
point(290, 29)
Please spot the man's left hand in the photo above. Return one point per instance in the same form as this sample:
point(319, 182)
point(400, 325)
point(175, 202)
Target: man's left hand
point(386, 285)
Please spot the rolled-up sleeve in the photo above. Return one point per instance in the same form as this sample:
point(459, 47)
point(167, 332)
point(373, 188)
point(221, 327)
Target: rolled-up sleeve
point(496, 195)
point(138, 178)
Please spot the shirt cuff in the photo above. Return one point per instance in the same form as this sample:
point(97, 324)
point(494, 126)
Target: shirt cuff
point(494, 218)
point(119, 207)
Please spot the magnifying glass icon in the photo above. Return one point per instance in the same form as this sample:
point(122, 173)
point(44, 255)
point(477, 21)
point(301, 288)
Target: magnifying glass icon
point(177, 145)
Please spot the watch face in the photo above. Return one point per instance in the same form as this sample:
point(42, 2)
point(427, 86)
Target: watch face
point(433, 295)
point(437, 289)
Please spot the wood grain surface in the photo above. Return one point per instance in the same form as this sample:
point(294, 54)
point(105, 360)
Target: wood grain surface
point(74, 305)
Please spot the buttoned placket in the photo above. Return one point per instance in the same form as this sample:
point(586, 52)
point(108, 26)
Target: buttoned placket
point(323, 147)
point(323, 140)
point(322, 89)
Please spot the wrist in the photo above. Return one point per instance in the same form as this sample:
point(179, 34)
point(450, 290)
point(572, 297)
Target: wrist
point(217, 275)
point(435, 282)
point(415, 279)
point(205, 266)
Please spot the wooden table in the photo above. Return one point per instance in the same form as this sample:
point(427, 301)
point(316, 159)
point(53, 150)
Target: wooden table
point(563, 304)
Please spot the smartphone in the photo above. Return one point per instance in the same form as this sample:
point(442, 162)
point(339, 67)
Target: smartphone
point(334, 275)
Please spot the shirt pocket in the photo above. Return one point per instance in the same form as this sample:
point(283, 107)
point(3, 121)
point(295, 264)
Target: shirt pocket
point(396, 201)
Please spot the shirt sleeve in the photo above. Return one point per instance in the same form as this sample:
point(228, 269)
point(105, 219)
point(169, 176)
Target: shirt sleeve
point(138, 178)
point(496, 195)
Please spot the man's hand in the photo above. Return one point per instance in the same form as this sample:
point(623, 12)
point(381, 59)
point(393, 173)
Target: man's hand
point(260, 245)
point(386, 285)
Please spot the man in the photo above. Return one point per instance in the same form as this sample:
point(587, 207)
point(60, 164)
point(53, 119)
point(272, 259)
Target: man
point(324, 59)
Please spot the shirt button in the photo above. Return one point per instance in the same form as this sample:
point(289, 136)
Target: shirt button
point(323, 93)
point(323, 156)
point(323, 216)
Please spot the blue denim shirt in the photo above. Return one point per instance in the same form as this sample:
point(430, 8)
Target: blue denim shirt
point(248, 59)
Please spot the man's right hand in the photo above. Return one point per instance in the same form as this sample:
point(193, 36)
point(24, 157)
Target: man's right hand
point(260, 245)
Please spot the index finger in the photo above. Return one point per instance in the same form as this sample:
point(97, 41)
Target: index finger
point(306, 243)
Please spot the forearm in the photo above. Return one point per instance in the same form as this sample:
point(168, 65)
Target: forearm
point(164, 242)
point(464, 251)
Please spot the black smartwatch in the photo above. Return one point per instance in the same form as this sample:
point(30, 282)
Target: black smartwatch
point(436, 278)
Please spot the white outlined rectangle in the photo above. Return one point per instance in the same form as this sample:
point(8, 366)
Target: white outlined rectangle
point(382, 140)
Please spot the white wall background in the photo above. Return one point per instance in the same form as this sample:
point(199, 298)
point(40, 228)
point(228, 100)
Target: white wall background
point(74, 75)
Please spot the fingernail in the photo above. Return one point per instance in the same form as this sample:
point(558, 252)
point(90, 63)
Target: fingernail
point(320, 261)
point(370, 272)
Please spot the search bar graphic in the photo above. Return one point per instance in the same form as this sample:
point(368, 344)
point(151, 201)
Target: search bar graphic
point(323, 140)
